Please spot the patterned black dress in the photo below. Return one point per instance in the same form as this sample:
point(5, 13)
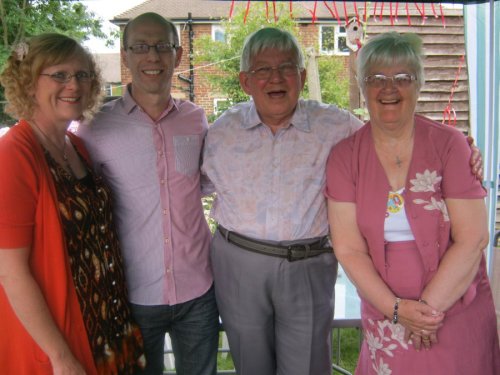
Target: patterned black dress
point(97, 269)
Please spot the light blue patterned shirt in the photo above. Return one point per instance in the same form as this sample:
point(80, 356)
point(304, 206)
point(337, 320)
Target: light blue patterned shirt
point(270, 187)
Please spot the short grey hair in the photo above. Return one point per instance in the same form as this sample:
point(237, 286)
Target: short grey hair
point(270, 37)
point(390, 49)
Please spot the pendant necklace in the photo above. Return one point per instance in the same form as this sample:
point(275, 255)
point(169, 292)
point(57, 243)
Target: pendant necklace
point(62, 150)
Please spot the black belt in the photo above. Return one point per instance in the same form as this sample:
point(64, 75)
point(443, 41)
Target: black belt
point(291, 252)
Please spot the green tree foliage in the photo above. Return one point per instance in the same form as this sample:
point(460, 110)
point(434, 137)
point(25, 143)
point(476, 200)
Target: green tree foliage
point(334, 81)
point(226, 55)
point(20, 19)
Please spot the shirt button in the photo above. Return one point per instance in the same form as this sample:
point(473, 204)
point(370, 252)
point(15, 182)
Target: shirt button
point(164, 211)
point(167, 240)
point(162, 181)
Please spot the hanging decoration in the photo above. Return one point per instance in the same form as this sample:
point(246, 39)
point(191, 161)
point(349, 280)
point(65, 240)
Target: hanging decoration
point(355, 34)
point(377, 15)
point(449, 113)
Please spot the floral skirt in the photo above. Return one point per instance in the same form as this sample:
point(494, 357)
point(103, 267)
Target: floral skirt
point(467, 341)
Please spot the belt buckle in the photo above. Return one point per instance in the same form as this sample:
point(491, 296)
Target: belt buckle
point(290, 257)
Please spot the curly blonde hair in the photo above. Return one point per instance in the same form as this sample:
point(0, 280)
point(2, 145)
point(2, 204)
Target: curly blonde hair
point(21, 71)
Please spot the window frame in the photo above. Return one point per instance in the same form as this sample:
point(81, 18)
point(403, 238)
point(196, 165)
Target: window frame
point(337, 34)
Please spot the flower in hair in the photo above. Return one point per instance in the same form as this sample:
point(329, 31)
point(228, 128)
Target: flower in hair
point(21, 51)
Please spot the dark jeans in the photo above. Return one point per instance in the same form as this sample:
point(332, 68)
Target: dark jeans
point(193, 327)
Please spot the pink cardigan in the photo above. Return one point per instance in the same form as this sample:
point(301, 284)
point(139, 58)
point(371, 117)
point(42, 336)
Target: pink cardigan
point(439, 169)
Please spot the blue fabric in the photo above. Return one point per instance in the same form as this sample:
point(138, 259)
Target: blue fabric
point(193, 327)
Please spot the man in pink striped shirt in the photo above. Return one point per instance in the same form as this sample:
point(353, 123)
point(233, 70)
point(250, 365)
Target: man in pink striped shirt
point(147, 145)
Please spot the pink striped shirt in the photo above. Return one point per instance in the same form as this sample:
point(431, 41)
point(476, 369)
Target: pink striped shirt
point(153, 170)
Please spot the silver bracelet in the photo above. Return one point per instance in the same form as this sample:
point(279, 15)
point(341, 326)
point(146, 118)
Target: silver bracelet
point(395, 313)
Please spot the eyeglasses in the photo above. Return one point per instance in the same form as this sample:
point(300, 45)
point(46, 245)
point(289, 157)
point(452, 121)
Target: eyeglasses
point(287, 69)
point(143, 48)
point(400, 80)
point(65, 77)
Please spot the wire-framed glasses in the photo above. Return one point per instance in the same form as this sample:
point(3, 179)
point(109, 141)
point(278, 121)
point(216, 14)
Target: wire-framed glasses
point(287, 69)
point(142, 48)
point(401, 80)
point(64, 77)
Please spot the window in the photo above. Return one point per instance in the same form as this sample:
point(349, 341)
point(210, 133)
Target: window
point(108, 89)
point(333, 40)
point(218, 33)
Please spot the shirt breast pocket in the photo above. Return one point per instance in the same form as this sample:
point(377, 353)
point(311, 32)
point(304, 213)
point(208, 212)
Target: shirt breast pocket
point(187, 150)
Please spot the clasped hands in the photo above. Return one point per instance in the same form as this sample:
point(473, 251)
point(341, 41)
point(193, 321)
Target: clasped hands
point(421, 323)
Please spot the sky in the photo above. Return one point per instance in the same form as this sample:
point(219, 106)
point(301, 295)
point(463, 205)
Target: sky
point(107, 9)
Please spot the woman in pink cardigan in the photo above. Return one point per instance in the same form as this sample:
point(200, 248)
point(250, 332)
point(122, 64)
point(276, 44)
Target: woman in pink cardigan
point(409, 226)
point(63, 303)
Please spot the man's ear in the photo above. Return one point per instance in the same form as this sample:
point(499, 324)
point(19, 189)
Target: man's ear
point(303, 76)
point(123, 57)
point(243, 76)
point(178, 56)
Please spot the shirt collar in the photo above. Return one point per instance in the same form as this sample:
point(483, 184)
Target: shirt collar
point(129, 104)
point(299, 119)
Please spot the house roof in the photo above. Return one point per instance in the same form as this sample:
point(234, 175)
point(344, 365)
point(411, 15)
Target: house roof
point(210, 10)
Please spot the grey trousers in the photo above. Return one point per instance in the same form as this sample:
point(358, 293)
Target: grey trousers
point(277, 314)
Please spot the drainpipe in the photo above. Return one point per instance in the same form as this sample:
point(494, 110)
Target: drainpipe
point(190, 80)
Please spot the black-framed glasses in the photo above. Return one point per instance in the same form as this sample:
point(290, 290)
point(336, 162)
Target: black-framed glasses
point(142, 48)
point(287, 69)
point(401, 80)
point(64, 77)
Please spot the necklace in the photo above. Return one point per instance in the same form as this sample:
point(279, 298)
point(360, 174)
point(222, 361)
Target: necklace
point(62, 150)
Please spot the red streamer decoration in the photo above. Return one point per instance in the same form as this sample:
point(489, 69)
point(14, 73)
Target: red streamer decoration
point(337, 13)
point(365, 11)
point(274, 10)
point(434, 10)
point(408, 14)
point(314, 12)
point(346, 16)
point(330, 9)
point(442, 15)
point(375, 12)
point(267, 11)
point(290, 8)
point(246, 12)
point(356, 12)
point(449, 112)
point(396, 14)
point(390, 10)
point(381, 11)
point(231, 10)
